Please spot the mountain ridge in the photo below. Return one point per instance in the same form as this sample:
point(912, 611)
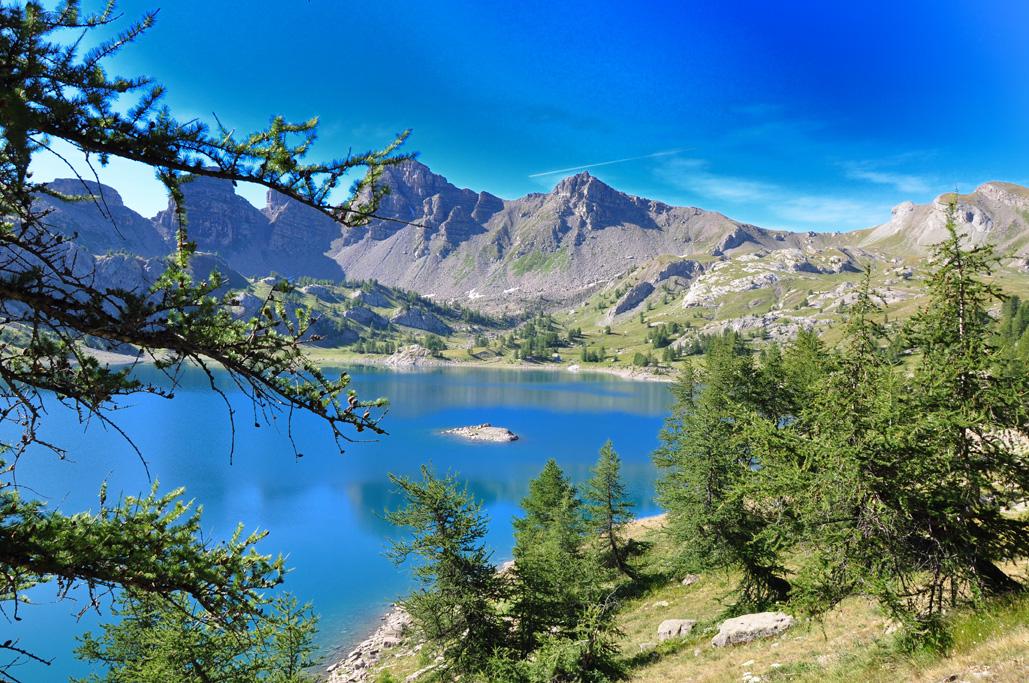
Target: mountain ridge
point(552, 248)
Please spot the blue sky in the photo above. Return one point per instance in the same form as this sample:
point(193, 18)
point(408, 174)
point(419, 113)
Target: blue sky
point(801, 115)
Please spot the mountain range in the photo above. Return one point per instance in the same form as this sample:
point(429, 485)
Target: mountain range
point(554, 248)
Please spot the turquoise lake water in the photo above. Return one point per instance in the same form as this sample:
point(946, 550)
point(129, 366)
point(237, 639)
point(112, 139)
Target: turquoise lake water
point(325, 511)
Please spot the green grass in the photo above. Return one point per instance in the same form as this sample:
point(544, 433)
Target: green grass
point(537, 261)
point(851, 643)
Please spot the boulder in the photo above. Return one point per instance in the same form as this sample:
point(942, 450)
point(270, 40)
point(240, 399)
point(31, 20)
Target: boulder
point(675, 628)
point(751, 627)
point(411, 356)
point(690, 579)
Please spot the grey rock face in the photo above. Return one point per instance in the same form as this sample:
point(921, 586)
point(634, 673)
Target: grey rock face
point(364, 316)
point(287, 237)
point(321, 292)
point(675, 628)
point(634, 297)
point(376, 297)
point(421, 320)
point(101, 223)
point(734, 239)
point(751, 627)
point(684, 269)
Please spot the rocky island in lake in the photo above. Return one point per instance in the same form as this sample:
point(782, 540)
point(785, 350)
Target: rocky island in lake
point(483, 432)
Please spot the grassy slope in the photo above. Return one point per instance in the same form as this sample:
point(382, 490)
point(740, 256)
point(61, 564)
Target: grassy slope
point(849, 644)
point(795, 294)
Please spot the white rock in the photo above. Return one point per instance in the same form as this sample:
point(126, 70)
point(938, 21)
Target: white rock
point(674, 628)
point(751, 627)
point(483, 432)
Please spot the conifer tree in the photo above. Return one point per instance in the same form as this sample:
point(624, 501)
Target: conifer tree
point(966, 413)
point(707, 466)
point(456, 603)
point(554, 578)
point(607, 507)
point(562, 604)
point(158, 639)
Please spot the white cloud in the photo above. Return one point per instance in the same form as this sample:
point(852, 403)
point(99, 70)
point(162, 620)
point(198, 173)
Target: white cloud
point(831, 212)
point(692, 175)
point(582, 167)
point(874, 172)
point(776, 202)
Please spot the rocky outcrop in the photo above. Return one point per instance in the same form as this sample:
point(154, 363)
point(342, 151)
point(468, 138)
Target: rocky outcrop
point(634, 297)
point(421, 320)
point(366, 317)
point(483, 432)
point(684, 268)
point(375, 296)
point(412, 356)
point(356, 666)
point(734, 239)
point(777, 326)
point(675, 628)
point(994, 212)
point(751, 627)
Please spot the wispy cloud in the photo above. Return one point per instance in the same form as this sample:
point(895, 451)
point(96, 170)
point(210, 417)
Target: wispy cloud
point(777, 202)
point(583, 167)
point(831, 212)
point(873, 172)
point(693, 175)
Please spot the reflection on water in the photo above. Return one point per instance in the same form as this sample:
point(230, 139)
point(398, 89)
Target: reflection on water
point(325, 511)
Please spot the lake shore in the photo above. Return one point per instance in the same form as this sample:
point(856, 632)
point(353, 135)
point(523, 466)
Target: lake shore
point(625, 372)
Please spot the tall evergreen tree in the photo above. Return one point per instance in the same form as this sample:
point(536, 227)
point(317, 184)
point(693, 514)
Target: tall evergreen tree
point(562, 602)
point(707, 464)
point(966, 413)
point(607, 508)
point(554, 577)
point(456, 603)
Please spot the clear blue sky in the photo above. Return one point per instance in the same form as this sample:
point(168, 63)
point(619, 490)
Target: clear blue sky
point(804, 115)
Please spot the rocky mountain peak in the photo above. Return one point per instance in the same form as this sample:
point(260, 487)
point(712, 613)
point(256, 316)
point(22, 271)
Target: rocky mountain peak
point(76, 187)
point(414, 179)
point(1005, 193)
point(584, 186)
